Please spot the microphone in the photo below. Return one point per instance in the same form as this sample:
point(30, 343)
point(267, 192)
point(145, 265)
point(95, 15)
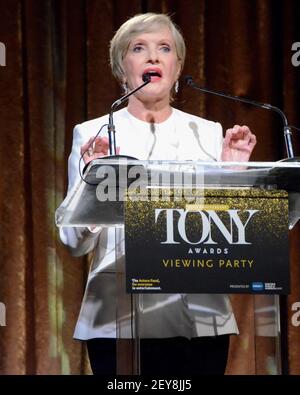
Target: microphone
point(286, 129)
point(111, 127)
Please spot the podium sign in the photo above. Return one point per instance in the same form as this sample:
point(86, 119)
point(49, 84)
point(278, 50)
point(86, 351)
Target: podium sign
point(224, 241)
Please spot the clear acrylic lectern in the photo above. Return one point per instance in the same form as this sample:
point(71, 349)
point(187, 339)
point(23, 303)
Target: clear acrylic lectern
point(99, 200)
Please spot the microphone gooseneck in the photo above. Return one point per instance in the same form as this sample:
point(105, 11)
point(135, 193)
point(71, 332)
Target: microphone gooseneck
point(286, 130)
point(111, 127)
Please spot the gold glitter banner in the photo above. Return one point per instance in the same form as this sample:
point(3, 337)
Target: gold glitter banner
point(235, 241)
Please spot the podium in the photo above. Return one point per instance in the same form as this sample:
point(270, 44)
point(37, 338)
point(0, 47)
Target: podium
point(118, 193)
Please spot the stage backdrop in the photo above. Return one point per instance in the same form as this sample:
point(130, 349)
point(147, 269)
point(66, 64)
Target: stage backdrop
point(57, 75)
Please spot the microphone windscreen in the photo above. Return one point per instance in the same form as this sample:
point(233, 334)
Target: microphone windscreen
point(146, 77)
point(188, 79)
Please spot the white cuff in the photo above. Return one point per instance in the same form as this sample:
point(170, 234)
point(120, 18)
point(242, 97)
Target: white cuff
point(94, 230)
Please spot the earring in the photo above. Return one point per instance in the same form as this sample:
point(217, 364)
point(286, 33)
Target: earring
point(125, 88)
point(176, 86)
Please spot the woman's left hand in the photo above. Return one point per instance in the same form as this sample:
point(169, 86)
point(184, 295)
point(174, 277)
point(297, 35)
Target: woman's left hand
point(238, 144)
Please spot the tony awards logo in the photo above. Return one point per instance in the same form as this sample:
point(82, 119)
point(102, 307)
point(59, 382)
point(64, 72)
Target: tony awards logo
point(209, 220)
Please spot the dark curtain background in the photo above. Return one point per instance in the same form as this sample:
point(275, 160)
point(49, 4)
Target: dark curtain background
point(57, 75)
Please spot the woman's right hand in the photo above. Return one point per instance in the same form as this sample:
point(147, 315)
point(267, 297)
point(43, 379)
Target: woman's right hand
point(97, 150)
point(91, 152)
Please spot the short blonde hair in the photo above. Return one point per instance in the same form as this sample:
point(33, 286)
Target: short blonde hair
point(142, 23)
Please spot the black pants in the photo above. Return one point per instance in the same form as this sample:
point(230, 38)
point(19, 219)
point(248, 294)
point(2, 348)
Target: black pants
point(171, 356)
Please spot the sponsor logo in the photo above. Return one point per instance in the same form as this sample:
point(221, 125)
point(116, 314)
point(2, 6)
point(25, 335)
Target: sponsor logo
point(257, 286)
point(272, 287)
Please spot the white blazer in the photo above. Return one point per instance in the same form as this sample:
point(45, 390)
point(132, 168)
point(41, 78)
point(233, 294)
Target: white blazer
point(181, 137)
